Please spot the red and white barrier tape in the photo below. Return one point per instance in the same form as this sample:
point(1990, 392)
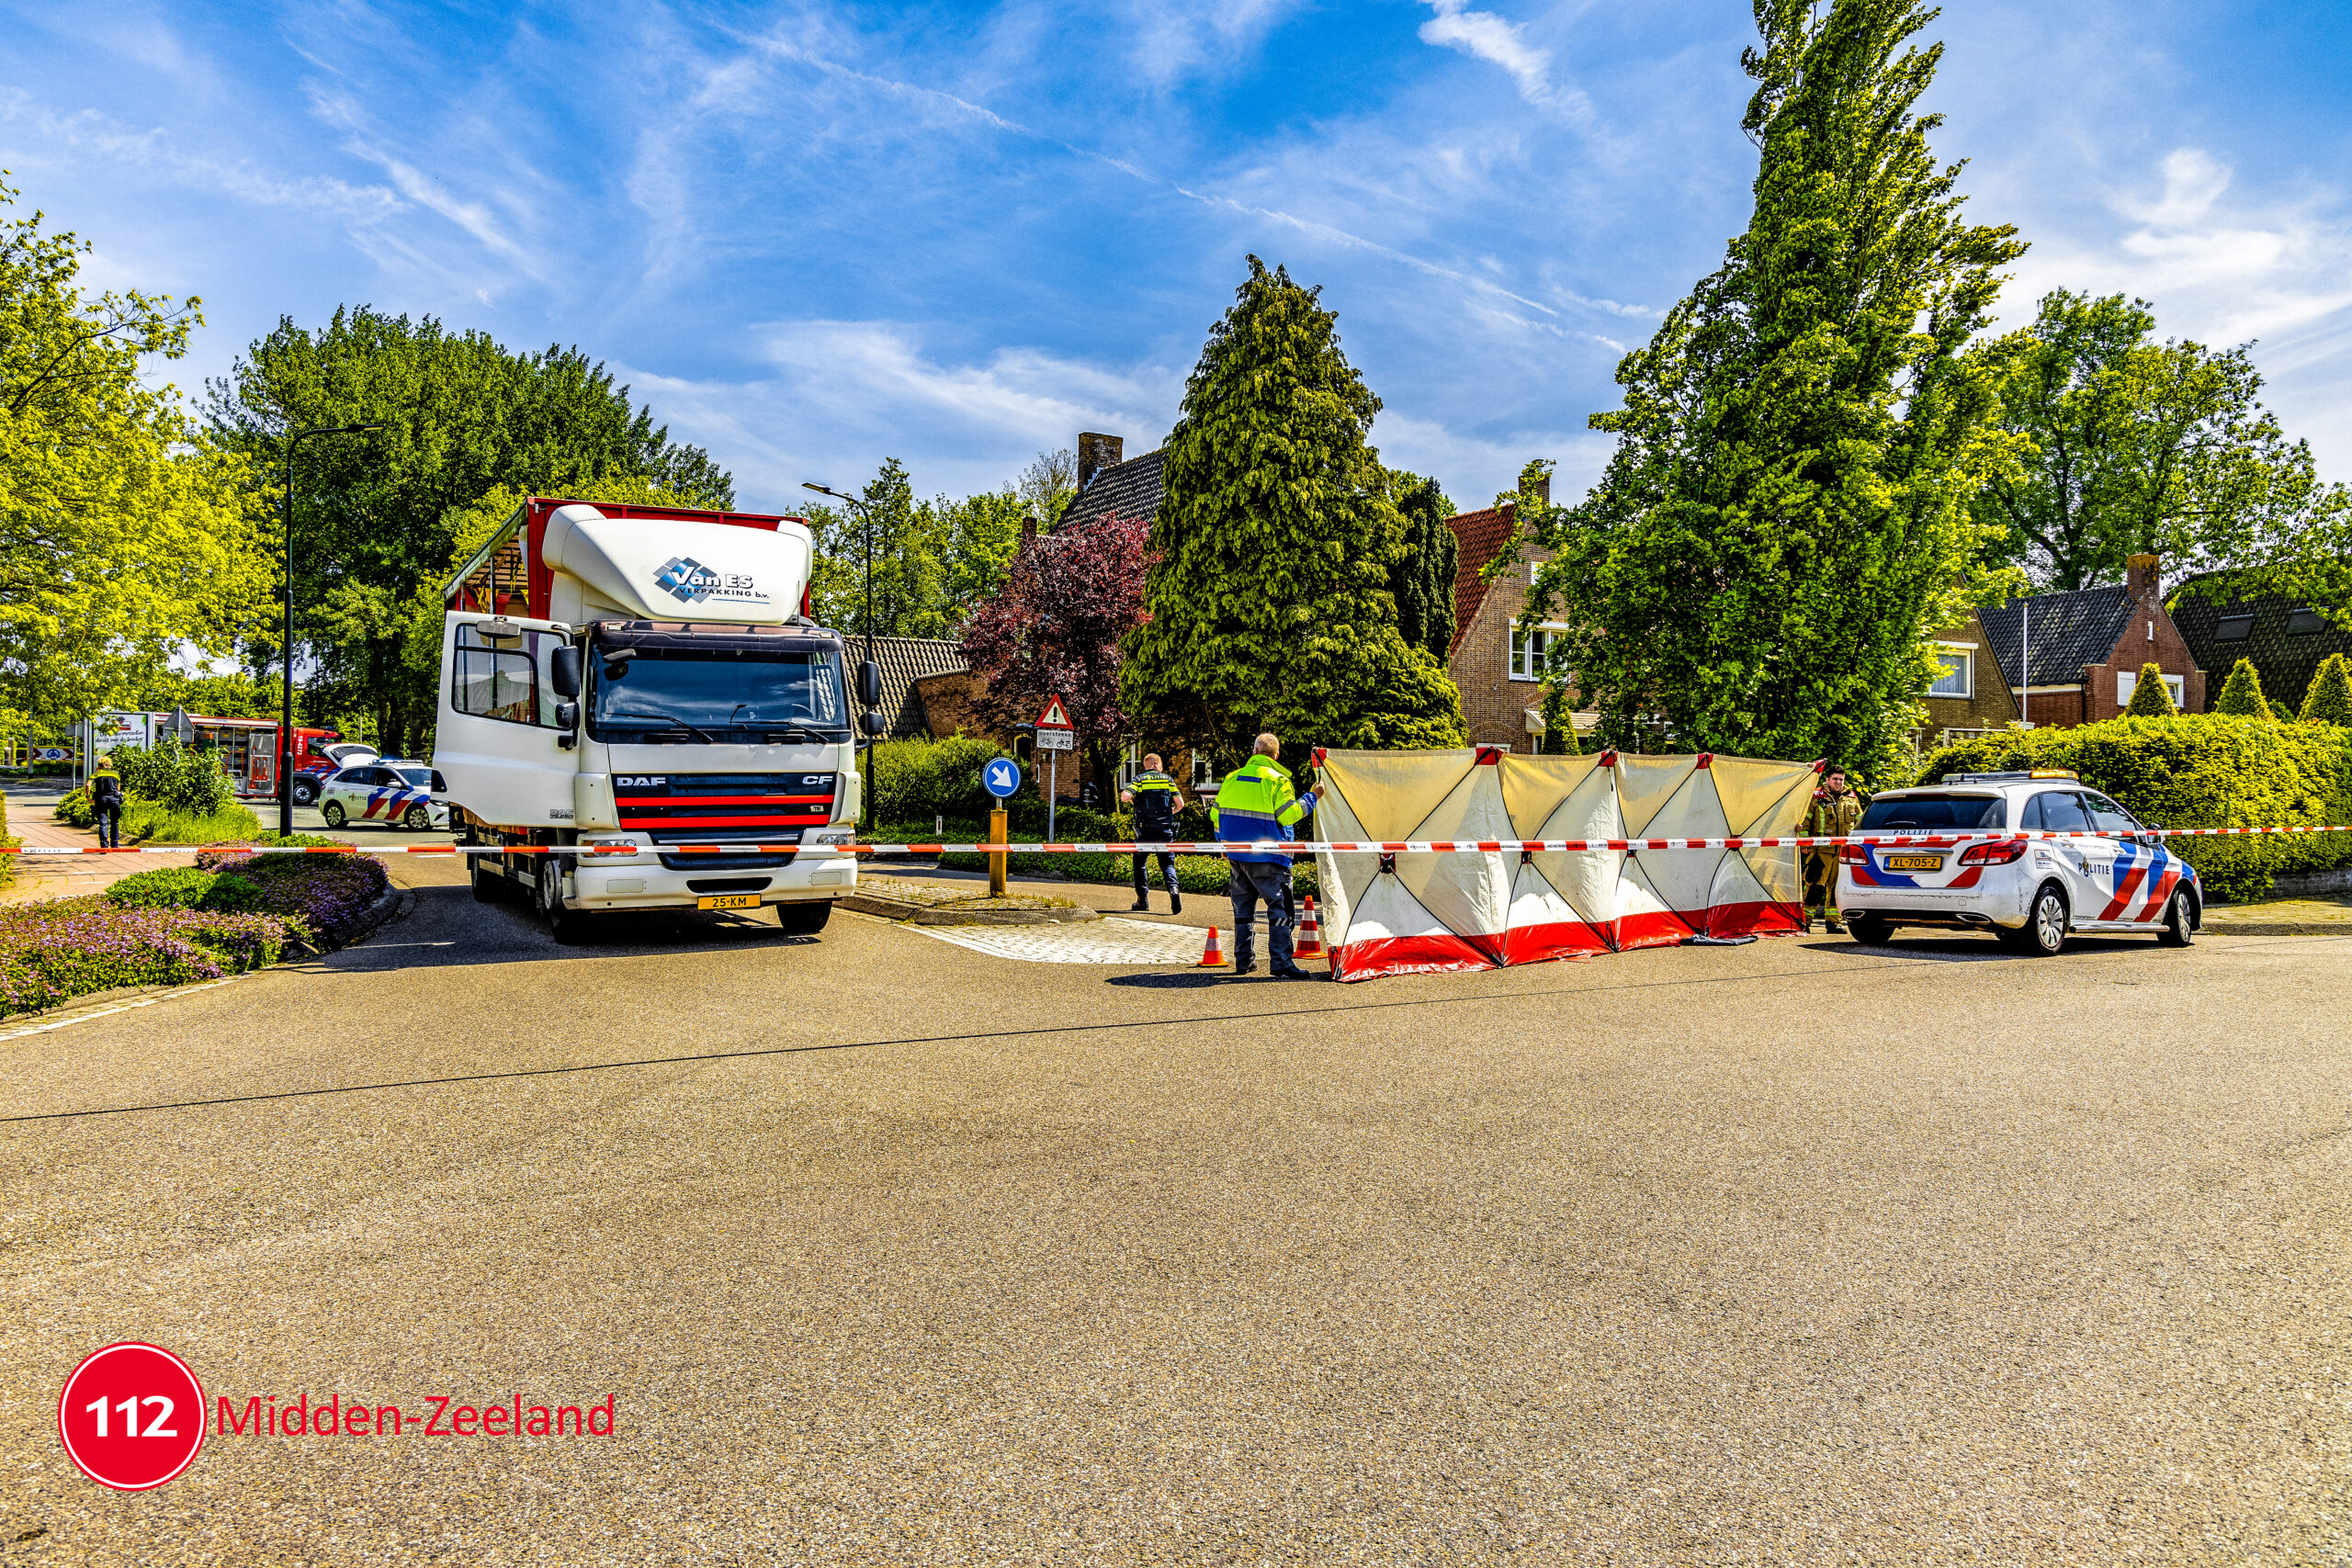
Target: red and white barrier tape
point(1417, 846)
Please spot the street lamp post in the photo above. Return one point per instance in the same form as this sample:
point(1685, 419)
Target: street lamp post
point(285, 700)
point(865, 518)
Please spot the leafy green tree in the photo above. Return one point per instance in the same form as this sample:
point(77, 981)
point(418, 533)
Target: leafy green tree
point(2151, 698)
point(2328, 700)
point(1048, 485)
point(372, 514)
point(2135, 446)
point(1786, 514)
point(1268, 597)
point(125, 536)
point(2242, 694)
point(1422, 579)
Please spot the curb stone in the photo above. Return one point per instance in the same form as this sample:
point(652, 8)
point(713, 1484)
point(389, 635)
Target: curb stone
point(926, 915)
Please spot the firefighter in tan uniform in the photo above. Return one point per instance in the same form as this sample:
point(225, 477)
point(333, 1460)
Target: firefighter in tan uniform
point(1836, 810)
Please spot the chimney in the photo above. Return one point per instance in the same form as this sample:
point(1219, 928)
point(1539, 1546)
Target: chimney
point(2143, 578)
point(1542, 490)
point(1096, 453)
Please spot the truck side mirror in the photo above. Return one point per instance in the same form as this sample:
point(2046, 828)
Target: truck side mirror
point(869, 684)
point(874, 724)
point(563, 671)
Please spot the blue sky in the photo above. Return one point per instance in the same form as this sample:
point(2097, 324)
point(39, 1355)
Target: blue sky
point(813, 235)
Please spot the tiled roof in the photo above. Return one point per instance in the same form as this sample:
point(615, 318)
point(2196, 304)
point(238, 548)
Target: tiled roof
point(1131, 488)
point(905, 661)
point(2069, 630)
point(1479, 535)
point(2285, 660)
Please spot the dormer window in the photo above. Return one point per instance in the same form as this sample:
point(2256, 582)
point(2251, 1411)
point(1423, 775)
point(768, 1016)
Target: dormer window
point(2232, 629)
point(2304, 622)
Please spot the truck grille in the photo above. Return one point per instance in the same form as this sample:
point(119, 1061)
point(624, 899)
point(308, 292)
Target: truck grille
point(684, 809)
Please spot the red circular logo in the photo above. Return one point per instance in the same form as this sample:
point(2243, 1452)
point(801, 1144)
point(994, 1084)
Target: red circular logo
point(131, 1417)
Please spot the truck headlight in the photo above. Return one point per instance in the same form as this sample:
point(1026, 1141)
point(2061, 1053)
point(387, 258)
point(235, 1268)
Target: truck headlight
point(829, 837)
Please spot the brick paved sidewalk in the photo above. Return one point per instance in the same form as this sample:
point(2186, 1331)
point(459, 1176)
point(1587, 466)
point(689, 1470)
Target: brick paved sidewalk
point(64, 876)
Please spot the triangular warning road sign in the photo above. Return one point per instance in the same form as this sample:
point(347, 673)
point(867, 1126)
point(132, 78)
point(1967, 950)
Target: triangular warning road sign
point(1056, 716)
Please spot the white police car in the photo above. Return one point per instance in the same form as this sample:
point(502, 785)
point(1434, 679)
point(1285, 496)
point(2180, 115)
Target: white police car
point(395, 793)
point(2032, 893)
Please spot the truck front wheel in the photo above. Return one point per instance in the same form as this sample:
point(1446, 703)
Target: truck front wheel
point(564, 925)
point(803, 919)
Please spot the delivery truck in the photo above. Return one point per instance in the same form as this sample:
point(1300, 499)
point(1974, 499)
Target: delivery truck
point(637, 712)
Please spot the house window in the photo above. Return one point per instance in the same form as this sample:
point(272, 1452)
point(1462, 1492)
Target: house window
point(1530, 651)
point(1959, 678)
point(1203, 773)
point(1130, 763)
point(2305, 621)
point(2232, 629)
point(2128, 681)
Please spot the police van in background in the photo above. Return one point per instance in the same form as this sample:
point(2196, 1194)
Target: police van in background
point(2031, 893)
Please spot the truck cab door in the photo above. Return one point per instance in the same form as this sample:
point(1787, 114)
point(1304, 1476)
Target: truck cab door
point(501, 742)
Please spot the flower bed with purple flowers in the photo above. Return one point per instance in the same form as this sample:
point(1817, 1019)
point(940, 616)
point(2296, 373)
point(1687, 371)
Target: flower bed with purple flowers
point(326, 893)
point(61, 948)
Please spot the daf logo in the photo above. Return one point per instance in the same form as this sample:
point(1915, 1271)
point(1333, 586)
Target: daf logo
point(640, 782)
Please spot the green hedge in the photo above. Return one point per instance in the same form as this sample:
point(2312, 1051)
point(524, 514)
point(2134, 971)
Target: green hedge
point(2198, 770)
point(148, 821)
point(185, 888)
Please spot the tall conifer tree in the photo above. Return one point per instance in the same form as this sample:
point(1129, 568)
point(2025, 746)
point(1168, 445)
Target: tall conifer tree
point(1268, 594)
point(1422, 579)
point(1788, 507)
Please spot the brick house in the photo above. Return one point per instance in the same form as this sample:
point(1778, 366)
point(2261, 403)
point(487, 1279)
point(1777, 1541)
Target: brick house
point(1498, 669)
point(1973, 697)
point(2087, 648)
point(2285, 638)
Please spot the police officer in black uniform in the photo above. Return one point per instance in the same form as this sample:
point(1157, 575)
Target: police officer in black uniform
point(1156, 800)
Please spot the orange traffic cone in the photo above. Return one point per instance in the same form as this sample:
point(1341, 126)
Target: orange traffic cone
point(1310, 935)
point(1212, 957)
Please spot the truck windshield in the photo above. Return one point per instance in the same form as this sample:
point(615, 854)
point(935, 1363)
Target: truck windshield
point(723, 692)
point(1933, 811)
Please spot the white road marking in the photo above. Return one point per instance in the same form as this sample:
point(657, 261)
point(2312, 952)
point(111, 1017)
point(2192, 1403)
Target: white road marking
point(172, 995)
point(1098, 941)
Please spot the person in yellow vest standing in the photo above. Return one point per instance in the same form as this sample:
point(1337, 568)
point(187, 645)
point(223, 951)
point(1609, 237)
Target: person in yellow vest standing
point(105, 803)
point(1258, 802)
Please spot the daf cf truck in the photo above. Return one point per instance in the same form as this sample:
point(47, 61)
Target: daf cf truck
point(629, 686)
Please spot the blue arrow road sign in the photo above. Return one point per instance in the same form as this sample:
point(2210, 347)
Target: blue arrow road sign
point(1001, 778)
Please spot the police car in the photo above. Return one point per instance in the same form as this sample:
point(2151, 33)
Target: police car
point(2031, 893)
point(392, 792)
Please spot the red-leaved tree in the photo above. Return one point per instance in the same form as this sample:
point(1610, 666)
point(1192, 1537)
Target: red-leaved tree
point(1055, 627)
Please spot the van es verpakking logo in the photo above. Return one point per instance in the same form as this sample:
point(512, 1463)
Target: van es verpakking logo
point(689, 581)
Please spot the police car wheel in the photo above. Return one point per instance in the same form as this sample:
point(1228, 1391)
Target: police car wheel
point(418, 820)
point(1870, 932)
point(2179, 928)
point(2044, 935)
point(334, 814)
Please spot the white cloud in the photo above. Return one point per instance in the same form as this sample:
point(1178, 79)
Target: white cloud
point(1490, 37)
point(844, 395)
point(2224, 267)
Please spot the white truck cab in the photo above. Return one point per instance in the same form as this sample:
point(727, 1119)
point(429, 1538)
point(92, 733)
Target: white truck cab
point(641, 687)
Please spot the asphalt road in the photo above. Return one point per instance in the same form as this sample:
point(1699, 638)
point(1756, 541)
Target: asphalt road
point(887, 1251)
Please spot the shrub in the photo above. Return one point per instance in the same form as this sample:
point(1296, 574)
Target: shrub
point(74, 809)
point(2151, 698)
point(321, 891)
point(2198, 770)
point(150, 821)
point(62, 948)
point(2329, 698)
point(186, 887)
point(187, 782)
point(914, 781)
point(2242, 695)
